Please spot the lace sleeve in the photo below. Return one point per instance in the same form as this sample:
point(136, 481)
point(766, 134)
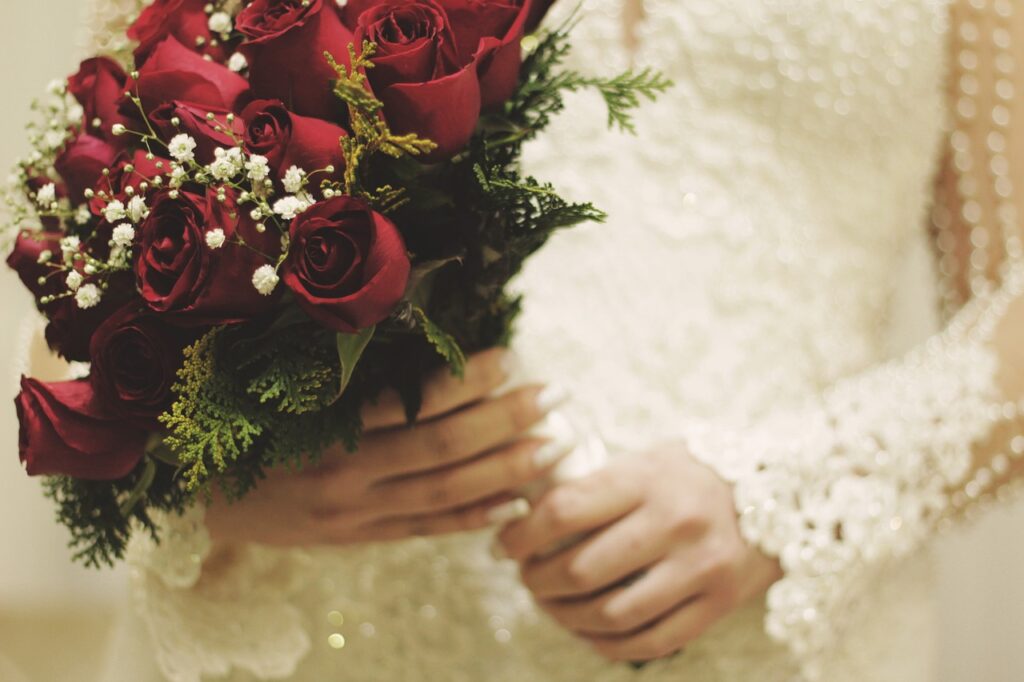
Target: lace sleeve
point(865, 472)
point(208, 611)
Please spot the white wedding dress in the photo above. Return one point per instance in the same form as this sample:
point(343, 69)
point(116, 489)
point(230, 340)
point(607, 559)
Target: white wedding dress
point(767, 253)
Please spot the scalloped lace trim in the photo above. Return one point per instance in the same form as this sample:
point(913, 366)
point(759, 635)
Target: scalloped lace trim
point(838, 488)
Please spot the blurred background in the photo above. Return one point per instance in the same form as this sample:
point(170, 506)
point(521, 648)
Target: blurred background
point(55, 616)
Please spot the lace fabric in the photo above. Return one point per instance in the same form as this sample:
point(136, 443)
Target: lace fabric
point(863, 474)
point(208, 613)
point(758, 222)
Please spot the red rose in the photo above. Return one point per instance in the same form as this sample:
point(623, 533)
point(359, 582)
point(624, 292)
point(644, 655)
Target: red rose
point(24, 260)
point(180, 275)
point(81, 164)
point(287, 139)
point(99, 87)
point(65, 431)
point(285, 45)
point(135, 359)
point(70, 329)
point(172, 72)
point(347, 265)
point(417, 73)
point(192, 120)
point(489, 32)
point(186, 20)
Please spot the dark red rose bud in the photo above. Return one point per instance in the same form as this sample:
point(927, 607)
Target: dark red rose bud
point(347, 265)
point(66, 431)
point(24, 260)
point(180, 275)
point(193, 120)
point(287, 139)
point(81, 164)
point(174, 73)
point(99, 87)
point(135, 359)
point(285, 45)
point(70, 328)
point(186, 20)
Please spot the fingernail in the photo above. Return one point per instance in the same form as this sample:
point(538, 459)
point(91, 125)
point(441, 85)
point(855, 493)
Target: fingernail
point(552, 451)
point(497, 550)
point(551, 397)
point(508, 512)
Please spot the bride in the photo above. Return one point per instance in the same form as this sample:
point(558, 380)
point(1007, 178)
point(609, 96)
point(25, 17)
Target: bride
point(736, 336)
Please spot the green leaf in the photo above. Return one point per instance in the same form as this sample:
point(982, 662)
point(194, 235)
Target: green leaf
point(443, 342)
point(350, 349)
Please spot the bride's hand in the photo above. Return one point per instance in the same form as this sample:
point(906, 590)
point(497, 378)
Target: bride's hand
point(458, 469)
point(662, 562)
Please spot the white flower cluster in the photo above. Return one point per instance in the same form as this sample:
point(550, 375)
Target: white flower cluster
point(233, 174)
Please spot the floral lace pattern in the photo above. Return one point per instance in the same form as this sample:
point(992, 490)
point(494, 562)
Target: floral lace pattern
point(207, 615)
point(743, 282)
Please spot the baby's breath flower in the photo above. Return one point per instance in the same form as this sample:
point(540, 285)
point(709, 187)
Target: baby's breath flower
point(124, 234)
point(137, 209)
point(55, 138)
point(118, 129)
point(178, 177)
point(220, 22)
point(265, 279)
point(237, 62)
point(115, 211)
point(70, 244)
point(227, 164)
point(215, 238)
point(87, 296)
point(46, 195)
point(182, 148)
point(74, 114)
point(82, 214)
point(74, 280)
point(293, 178)
point(258, 167)
point(289, 207)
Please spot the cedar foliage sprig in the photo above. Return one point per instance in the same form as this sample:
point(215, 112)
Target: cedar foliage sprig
point(371, 135)
point(211, 424)
point(544, 82)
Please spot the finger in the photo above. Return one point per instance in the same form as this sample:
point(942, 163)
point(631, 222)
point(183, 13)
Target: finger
point(624, 610)
point(443, 391)
point(460, 436)
point(475, 517)
point(570, 509)
point(605, 559)
point(506, 469)
point(665, 637)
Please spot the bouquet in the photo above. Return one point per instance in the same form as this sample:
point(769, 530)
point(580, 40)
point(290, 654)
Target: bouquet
point(261, 217)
